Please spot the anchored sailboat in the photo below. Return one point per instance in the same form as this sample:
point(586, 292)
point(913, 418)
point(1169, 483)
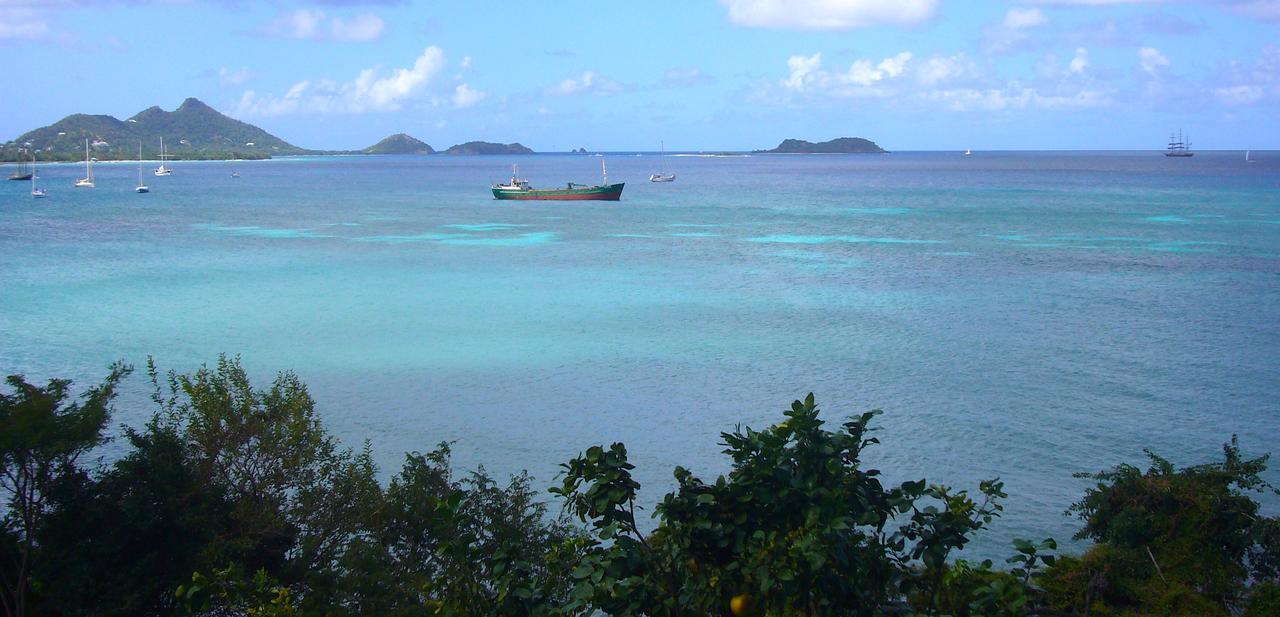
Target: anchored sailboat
point(87, 181)
point(36, 191)
point(162, 170)
point(1248, 158)
point(141, 188)
point(662, 176)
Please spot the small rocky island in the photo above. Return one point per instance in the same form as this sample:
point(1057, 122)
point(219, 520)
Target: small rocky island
point(485, 147)
point(842, 145)
point(400, 143)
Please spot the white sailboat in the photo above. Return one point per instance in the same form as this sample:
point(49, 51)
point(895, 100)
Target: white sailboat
point(1248, 158)
point(662, 176)
point(87, 181)
point(162, 170)
point(36, 191)
point(141, 188)
point(968, 152)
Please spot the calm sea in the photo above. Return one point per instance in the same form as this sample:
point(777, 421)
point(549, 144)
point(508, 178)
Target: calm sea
point(1022, 315)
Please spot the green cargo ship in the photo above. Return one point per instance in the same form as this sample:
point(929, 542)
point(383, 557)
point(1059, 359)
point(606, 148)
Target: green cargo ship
point(518, 188)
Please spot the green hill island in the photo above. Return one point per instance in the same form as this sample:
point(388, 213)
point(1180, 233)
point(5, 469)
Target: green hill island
point(400, 143)
point(193, 131)
point(843, 145)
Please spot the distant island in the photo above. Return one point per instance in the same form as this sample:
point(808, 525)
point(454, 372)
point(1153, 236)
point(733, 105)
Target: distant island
point(194, 131)
point(400, 143)
point(485, 147)
point(843, 145)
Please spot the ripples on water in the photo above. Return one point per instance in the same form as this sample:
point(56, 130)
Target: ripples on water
point(1022, 315)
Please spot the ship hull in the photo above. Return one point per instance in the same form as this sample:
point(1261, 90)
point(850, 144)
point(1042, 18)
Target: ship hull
point(612, 192)
point(1179, 154)
point(20, 176)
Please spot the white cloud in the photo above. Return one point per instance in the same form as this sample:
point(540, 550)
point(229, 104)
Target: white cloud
point(804, 71)
point(387, 92)
point(1151, 60)
point(1095, 2)
point(807, 75)
point(1239, 95)
point(1018, 19)
point(17, 22)
point(950, 82)
point(945, 69)
point(1244, 84)
point(464, 96)
point(1079, 63)
point(860, 72)
point(1266, 10)
point(363, 27)
point(586, 83)
point(315, 25)
point(372, 90)
point(1016, 97)
point(685, 77)
point(1011, 32)
point(229, 77)
point(827, 14)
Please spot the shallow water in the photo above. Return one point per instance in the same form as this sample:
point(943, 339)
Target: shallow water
point(1022, 315)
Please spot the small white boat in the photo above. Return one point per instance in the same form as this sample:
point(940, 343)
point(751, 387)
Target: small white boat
point(162, 170)
point(663, 176)
point(1248, 158)
point(87, 181)
point(968, 152)
point(235, 174)
point(141, 188)
point(36, 191)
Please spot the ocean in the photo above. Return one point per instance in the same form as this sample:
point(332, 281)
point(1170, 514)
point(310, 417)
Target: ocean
point(1025, 315)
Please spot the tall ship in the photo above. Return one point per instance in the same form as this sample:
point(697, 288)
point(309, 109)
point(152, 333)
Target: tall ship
point(23, 171)
point(518, 188)
point(1179, 146)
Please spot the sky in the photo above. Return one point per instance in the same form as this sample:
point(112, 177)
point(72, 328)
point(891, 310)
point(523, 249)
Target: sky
point(691, 74)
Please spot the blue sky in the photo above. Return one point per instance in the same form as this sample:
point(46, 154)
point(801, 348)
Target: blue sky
point(697, 74)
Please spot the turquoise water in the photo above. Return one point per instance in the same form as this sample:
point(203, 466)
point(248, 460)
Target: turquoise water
point(1022, 315)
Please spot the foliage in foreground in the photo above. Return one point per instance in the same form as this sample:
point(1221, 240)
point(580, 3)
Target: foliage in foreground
point(236, 501)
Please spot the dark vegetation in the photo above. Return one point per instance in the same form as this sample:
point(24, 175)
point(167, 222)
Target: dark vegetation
point(842, 145)
point(399, 143)
point(193, 131)
point(236, 501)
point(485, 147)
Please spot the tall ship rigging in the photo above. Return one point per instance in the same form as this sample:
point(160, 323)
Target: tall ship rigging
point(1178, 146)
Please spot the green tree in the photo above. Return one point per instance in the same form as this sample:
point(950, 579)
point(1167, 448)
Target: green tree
point(266, 448)
point(1188, 539)
point(471, 546)
point(147, 520)
point(798, 526)
point(41, 439)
